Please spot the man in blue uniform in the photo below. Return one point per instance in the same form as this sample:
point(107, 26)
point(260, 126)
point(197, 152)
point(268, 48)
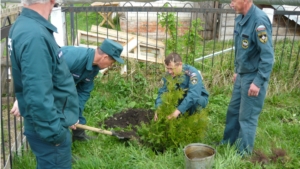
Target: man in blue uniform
point(254, 57)
point(44, 87)
point(84, 64)
point(196, 96)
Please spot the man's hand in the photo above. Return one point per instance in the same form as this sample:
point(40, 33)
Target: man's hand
point(73, 127)
point(155, 116)
point(234, 77)
point(253, 90)
point(15, 109)
point(175, 114)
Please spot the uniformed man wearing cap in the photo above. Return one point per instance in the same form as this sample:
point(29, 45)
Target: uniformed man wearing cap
point(84, 64)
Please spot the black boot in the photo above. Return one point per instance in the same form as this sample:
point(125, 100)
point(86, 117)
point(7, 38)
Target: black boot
point(79, 134)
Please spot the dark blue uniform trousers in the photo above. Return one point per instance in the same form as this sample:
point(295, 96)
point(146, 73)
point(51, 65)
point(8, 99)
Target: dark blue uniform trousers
point(242, 114)
point(49, 156)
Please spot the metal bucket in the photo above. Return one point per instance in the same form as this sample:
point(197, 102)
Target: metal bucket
point(199, 156)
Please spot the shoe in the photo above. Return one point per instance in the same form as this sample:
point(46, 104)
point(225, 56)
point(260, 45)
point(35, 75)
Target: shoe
point(80, 135)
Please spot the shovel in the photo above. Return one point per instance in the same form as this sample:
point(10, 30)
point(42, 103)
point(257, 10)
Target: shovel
point(111, 133)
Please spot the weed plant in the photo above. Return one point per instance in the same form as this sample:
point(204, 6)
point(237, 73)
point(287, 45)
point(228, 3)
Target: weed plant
point(170, 21)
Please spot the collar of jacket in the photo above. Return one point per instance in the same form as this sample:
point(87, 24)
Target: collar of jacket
point(37, 17)
point(248, 15)
point(184, 67)
point(91, 55)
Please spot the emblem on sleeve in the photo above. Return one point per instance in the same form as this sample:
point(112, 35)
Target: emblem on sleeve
point(260, 28)
point(245, 44)
point(263, 37)
point(194, 80)
point(193, 74)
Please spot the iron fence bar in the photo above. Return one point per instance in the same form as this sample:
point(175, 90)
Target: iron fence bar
point(176, 33)
point(286, 30)
point(293, 42)
point(8, 103)
point(72, 24)
point(66, 35)
point(214, 37)
point(75, 31)
point(147, 42)
point(166, 32)
point(97, 29)
point(127, 56)
point(296, 25)
point(204, 43)
point(2, 137)
point(16, 134)
point(274, 41)
point(87, 28)
point(297, 60)
point(21, 131)
point(232, 56)
point(187, 49)
point(196, 31)
point(195, 38)
point(283, 47)
point(223, 37)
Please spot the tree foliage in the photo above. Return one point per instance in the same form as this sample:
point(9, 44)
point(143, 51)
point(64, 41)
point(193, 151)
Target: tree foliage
point(166, 134)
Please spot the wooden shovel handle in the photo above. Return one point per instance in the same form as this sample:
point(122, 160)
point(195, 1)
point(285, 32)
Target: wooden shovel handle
point(85, 127)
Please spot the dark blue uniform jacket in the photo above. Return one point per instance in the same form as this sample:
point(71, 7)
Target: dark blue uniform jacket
point(195, 96)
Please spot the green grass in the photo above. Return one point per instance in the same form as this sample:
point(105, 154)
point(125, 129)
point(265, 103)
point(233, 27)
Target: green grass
point(278, 124)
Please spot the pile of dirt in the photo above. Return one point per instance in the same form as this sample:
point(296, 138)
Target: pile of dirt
point(130, 118)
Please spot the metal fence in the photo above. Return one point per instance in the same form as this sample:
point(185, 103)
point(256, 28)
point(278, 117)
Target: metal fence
point(137, 26)
point(12, 140)
point(148, 32)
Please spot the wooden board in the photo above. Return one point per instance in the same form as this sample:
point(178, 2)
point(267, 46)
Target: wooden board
point(134, 47)
point(140, 57)
point(124, 36)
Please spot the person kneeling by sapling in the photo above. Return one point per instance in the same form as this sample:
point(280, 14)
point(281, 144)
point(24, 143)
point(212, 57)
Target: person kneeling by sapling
point(195, 95)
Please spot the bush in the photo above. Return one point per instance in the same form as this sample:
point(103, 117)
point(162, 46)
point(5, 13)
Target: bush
point(165, 134)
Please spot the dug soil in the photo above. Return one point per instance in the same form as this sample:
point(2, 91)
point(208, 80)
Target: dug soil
point(125, 123)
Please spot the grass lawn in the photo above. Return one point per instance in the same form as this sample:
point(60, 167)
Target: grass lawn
point(278, 127)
